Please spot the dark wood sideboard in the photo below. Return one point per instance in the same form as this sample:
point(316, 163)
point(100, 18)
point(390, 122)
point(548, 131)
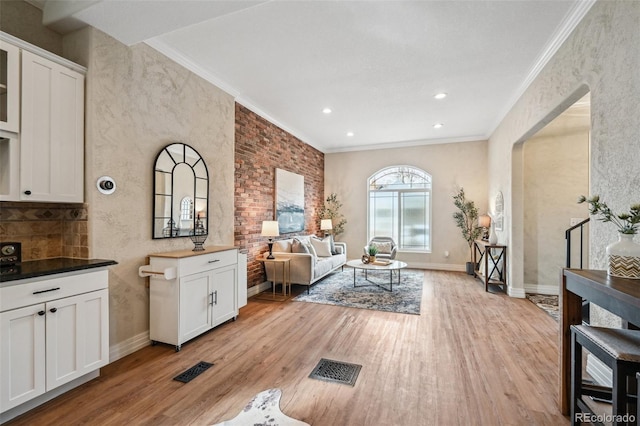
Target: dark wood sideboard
point(620, 296)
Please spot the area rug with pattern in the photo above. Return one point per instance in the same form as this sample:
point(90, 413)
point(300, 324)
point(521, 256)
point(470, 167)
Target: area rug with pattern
point(263, 410)
point(547, 303)
point(337, 289)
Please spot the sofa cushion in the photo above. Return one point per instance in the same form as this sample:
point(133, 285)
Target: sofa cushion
point(322, 267)
point(322, 247)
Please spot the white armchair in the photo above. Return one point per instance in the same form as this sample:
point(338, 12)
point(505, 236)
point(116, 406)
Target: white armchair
point(387, 248)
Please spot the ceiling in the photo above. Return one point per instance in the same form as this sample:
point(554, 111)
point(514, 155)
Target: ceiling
point(376, 64)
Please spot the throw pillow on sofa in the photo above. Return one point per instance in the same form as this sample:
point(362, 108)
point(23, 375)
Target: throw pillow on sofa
point(298, 246)
point(322, 247)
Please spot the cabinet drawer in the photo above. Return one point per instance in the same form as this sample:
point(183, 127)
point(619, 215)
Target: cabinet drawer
point(207, 262)
point(41, 291)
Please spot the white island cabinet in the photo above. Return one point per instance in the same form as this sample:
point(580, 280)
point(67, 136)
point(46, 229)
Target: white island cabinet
point(54, 330)
point(192, 292)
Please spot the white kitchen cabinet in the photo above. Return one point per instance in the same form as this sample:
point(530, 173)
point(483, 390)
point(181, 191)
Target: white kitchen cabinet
point(41, 124)
point(52, 131)
point(200, 293)
point(52, 332)
point(9, 87)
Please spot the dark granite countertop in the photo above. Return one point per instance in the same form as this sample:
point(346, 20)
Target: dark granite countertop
point(58, 265)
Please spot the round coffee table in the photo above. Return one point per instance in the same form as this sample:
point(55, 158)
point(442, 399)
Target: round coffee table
point(395, 265)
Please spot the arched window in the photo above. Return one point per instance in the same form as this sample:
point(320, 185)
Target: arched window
point(400, 207)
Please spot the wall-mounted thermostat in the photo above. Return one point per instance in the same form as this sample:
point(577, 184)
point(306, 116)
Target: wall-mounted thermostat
point(106, 185)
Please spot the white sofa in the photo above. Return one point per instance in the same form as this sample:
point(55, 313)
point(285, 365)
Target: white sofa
point(306, 268)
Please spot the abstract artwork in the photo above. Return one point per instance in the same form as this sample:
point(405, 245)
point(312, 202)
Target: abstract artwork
point(289, 201)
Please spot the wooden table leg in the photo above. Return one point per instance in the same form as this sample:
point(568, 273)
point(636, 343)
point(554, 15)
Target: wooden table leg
point(570, 314)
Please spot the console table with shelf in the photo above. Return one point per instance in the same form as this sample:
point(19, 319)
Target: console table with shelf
point(490, 263)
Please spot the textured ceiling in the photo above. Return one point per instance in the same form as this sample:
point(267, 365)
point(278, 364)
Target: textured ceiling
point(376, 64)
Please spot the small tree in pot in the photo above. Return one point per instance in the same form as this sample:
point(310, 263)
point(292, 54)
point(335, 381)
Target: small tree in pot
point(467, 219)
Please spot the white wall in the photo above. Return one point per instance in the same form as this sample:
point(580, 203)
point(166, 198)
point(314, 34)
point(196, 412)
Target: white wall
point(450, 165)
point(556, 172)
point(602, 56)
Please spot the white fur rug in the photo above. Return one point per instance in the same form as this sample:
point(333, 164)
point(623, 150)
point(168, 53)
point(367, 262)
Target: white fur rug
point(263, 410)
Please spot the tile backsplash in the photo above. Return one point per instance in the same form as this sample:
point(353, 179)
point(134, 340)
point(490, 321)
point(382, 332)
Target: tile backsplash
point(46, 230)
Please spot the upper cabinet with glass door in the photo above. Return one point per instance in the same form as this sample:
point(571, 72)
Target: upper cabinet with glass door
point(9, 87)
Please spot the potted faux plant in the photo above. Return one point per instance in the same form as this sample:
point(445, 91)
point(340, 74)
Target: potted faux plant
point(373, 251)
point(623, 256)
point(467, 220)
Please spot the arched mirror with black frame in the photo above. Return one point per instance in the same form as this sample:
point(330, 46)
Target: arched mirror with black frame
point(180, 193)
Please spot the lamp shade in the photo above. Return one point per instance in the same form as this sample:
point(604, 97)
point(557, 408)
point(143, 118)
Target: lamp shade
point(484, 221)
point(270, 228)
point(326, 224)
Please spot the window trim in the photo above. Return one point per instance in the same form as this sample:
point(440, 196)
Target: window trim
point(428, 190)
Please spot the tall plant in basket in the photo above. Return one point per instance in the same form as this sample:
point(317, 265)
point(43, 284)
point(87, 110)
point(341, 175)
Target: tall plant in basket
point(466, 219)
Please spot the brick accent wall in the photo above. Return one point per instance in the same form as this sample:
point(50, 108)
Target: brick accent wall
point(260, 148)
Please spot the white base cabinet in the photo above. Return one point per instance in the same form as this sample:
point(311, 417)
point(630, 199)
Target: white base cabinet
point(203, 294)
point(52, 332)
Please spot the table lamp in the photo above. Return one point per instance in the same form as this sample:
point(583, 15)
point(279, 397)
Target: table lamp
point(270, 229)
point(326, 225)
point(484, 222)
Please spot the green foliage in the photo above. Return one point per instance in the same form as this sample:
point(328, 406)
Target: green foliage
point(373, 250)
point(627, 223)
point(331, 210)
point(466, 219)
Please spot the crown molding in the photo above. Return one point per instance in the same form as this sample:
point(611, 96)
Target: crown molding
point(570, 22)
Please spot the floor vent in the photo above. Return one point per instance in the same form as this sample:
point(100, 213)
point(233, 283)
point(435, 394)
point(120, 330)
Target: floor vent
point(336, 371)
point(193, 372)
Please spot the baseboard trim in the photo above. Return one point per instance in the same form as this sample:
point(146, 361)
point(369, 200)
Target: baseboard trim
point(252, 291)
point(437, 266)
point(541, 289)
point(519, 293)
point(129, 346)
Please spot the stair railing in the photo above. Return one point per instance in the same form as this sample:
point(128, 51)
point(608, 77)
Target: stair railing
point(567, 236)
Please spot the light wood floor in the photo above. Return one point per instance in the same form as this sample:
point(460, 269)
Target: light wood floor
point(470, 358)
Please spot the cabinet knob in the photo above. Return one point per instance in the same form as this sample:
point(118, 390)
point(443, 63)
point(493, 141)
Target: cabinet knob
point(41, 313)
point(27, 192)
point(53, 310)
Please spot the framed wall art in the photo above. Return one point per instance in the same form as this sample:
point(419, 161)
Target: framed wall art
point(289, 201)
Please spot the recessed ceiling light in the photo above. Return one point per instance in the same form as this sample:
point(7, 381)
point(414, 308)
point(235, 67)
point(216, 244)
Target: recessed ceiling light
point(327, 110)
point(440, 95)
point(350, 134)
point(438, 125)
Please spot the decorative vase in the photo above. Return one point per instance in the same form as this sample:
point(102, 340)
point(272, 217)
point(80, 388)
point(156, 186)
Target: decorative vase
point(624, 257)
point(372, 259)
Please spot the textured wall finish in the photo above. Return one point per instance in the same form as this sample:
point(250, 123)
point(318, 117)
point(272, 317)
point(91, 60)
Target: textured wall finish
point(450, 165)
point(261, 147)
point(46, 230)
point(138, 101)
point(602, 56)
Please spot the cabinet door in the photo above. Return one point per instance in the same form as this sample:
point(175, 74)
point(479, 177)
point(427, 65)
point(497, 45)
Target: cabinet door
point(52, 133)
point(9, 87)
point(195, 300)
point(225, 305)
point(77, 336)
point(22, 355)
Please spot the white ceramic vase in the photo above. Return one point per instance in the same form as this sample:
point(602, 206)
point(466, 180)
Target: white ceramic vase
point(624, 257)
